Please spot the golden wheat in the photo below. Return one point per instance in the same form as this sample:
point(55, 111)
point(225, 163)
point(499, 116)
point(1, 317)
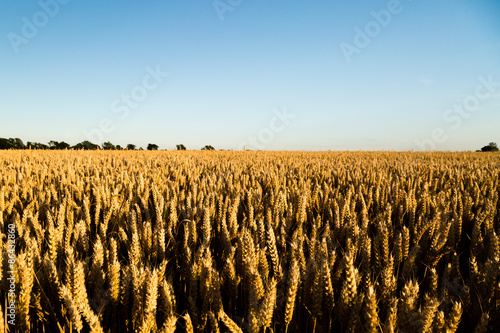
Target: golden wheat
point(123, 241)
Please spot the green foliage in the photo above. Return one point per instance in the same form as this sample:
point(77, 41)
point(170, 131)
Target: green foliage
point(12, 143)
point(36, 145)
point(58, 145)
point(491, 147)
point(108, 146)
point(86, 145)
point(152, 146)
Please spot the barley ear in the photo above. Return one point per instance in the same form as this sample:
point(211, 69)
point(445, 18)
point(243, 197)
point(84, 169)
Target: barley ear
point(291, 293)
point(188, 323)
point(150, 302)
point(25, 273)
point(170, 325)
point(371, 310)
point(390, 322)
point(230, 324)
point(268, 305)
point(455, 317)
point(72, 310)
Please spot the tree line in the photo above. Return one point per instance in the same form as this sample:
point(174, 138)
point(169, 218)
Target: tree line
point(16, 143)
point(492, 146)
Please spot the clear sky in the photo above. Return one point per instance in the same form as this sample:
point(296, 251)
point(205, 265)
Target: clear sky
point(274, 74)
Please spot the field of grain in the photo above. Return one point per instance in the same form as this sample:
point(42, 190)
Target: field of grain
point(133, 241)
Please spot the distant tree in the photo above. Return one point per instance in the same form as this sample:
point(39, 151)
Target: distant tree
point(63, 145)
point(11, 143)
point(208, 147)
point(5, 144)
point(152, 146)
point(78, 146)
point(36, 145)
point(19, 144)
point(130, 146)
point(108, 146)
point(53, 144)
point(91, 146)
point(118, 147)
point(180, 147)
point(491, 147)
point(58, 145)
point(86, 145)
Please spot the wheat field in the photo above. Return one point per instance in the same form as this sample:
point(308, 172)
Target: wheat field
point(170, 241)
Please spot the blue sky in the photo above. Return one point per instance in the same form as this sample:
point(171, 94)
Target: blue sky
point(294, 75)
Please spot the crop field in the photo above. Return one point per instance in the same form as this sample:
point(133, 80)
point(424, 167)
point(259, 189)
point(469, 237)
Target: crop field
point(221, 241)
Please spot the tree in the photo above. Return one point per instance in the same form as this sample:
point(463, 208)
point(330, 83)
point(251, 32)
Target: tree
point(36, 145)
point(130, 146)
point(152, 146)
point(11, 143)
point(63, 145)
point(118, 147)
point(58, 145)
point(108, 146)
point(208, 147)
point(86, 145)
point(180, 147)
point(491, 147)
point(52, 144)
point(19, 144)
point(5, 144)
